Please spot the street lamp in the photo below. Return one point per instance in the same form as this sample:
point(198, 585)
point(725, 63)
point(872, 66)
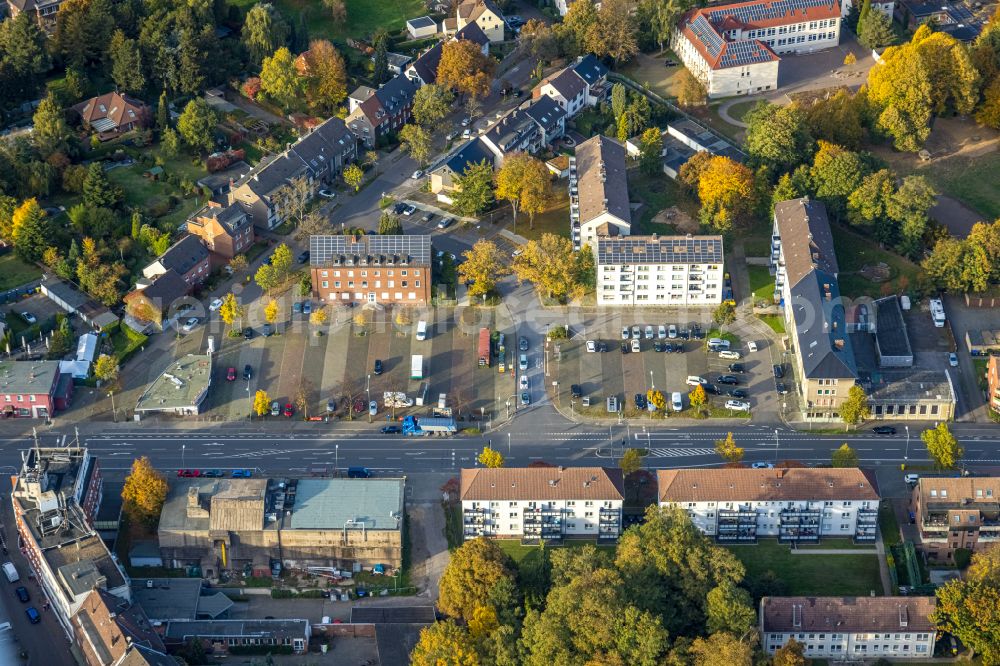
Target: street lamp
point(652, 386)
point(906, 455)
point(508, 445)
point(336, 459)
point(183, 463)
point(249, 399)
point(776, 445)
point(368, 390)
point(114, 414)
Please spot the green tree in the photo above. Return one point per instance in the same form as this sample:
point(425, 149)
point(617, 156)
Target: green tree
point(279, 79)
point(417, 140)
point(30, 231)
point(724, 314)
point(162, 112)
point(630, 462)
point(967, 606)
point(615, 34)
point(876, 31)
point(474, 189)
point(855, 408)
point(431, 104)
point(899, 91)
point(845, 456)
point(126, 63)
point(868, 204)
point(51, 134)
point(651, 152)
point(264, 31)
point(474, 569)
point(196, 125)
point(730, 609)
point(144, 492)
point(551, 265)
point(728, 450)
point(942, 446)
point(576, 25)
point(24, 56)
point(266, 278)
point(484, 264)
point(785, 190)
point(282, 261)
point(836, 173)
point(841, 119)
point(354, 176)
point(689, 90)
point(97, 189)
point(909, 206)
point(170, 143)
point(777, 136)
point(380, 66)
point(389, 224)
point(490, 458)
point(619, 98)
point(791, 653)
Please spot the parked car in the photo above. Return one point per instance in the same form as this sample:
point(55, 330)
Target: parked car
point(247, 372)
point(247, 333)
point(391, 430)
point(762, 465)
point(781, 388)
point(190, 324)
point(522, 362)
point(417, 175)
point(303, 256)
point(297, 307)
point(215, 304)
point(398, 208)
point(635, 345)
point(624, 332)
point(625, 347)
point(522, 343)
point(427, 218)
point(738, 405)
point(636, 333)
point(289, 410)
point(738, 393)
point(718, 344)
point(266, 330)
point(331, 405)
point(445, 222)
point(695, 380)
point(751, 346)
point(327, 194)
point(672, 332)
point(188, 473)
point(640, 401)
point(779, 371)
point(737, 368)
point(661, 332)
point(525, 398)
point(33, 615)
point(676, 401)
point(660, 346)
point(307, 307)
point(575, 391)
point(22, 594)
point(275, 408)
point(522, 382)
point(602, 346)
point(884, 430)
point(591, 346)
point(729, 355)
point(231, 374)
point(728, 379)
point(712, 389)
point(242, 474)
point(953, 360)
point(378, 366)
point(28, 317)
point(409, 210)
point(212, 474)
point(649, 333)
point(674, 347)
point(359, 473)
point(372, 408)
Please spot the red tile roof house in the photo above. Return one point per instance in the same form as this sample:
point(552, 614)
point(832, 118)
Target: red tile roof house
point(113, 114)
point(33, 389)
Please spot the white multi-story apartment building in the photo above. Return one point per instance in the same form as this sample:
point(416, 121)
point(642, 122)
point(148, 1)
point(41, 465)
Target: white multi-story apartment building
point(598, 192)
point(542, 503)
point(735, 49)
point(795, 505)
point(850, 628)
point(659, 270)
point(583, 84)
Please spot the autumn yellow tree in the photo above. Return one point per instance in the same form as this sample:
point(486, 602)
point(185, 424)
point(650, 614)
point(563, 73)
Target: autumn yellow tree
point(490, 457)
point(689, 90)
point(465, 68)
point(261, 403)
point(525, 182)
point(728, 450)
point(726, 191)
point(445, 644)
point(106, 369)
point(231, 310)
point(551, 264)
point(318, 317)
point(657, 399)
point(474, 569)
point(144, 492)
point(484, 264)
point(953, 78)
point(900, 94)
point(697, 397)
point(271, 311)
point(324, 69)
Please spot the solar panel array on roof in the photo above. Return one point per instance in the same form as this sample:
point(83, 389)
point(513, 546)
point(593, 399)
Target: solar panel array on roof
point(662, 250)
point(326, 250)
point(744, 53)
point(749, 14)
point(707, 34)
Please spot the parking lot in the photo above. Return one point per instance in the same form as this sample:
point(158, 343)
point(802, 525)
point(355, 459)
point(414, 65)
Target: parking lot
point(623, 374)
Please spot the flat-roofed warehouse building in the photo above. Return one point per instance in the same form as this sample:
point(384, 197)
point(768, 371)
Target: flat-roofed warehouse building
point(180, 388)
point(228, 524)
point(853, 629)
point(892, 342)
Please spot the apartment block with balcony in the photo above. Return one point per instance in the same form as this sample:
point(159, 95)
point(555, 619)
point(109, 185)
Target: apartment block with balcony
point(799, 505)
point(854, 629)
point(598, 192)
point(955, 513)
point(371, 269)
point(993, 382)
point(659, 270)
point(537, 504)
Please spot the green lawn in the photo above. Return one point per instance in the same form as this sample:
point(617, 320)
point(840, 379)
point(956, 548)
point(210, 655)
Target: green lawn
point(776, 322)
point(363, 16)
point(761, 283)
point(834, 575)
point(520, 553)
point(855, 251)
point(553, 221)
point(888, 525)
point(740, 109)
point(651, 72)
point(657, 193)
point(14, 272)
point(973, 180)
point(147, 194)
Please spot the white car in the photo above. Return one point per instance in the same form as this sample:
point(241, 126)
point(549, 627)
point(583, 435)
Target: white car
point(676, 401)
point(28, 317)
point(516, 253)
point(190, 324)
point(751, 346)
point(327, 194)
point(624, 332)
point(649, 332)
point(636, 332)
point(762, 465)
point(466, 121)
point(661, 332)
point(417, 174)
point(729, 355)
point(953, 360)
point(409, 210)
point(695, 380)
point(635, 345)
point(372, 408)
point(466, 133)
point(672, 332)
point(215, 304)
point(523, 382)
point(591, 346)
point(738, 405)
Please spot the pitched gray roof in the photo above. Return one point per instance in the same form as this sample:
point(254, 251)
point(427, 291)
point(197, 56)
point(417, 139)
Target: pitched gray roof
point(847, 614)
point(184, 255)
point(546, 112)
point(426, 65)
point(473, 33)
point(328, 250)
point(590, 69)
point(600, 163)
point(568, 83)
point(166, 288)
point(474, 152)
point(806, 239)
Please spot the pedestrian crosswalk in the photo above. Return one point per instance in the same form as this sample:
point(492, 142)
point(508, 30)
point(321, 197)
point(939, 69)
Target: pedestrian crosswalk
point(680, 452)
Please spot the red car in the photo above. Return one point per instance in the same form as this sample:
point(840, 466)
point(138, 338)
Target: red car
point(289, 410)
point(231, 375)
point(189, 473)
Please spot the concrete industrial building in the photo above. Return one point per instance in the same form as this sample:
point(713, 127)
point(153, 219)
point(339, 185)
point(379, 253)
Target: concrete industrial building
point(955, 513)
point(56, 497)
point(797, 505)
point(228, 524)
point(180, 389)
point(659, 270)
point(852, 629)
point(371, 269)
point(736, 49)
point(537, 504)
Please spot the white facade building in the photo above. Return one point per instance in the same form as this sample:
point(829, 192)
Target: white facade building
point(598, 192)
point(735, 49)
point(542, 503)
point(659, 270)
point(795, 505)
point(850, 628)
point(581, 85)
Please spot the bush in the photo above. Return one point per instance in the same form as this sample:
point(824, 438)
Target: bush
point(962, 557)
point(254, 581)
point(282, 594)
point(558, 333)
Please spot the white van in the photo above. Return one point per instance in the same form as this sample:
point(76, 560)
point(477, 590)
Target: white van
point(677, 401)
point(421, 330)
point(717, 344)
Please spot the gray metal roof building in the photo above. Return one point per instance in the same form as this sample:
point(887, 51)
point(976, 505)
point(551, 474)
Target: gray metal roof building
point(332, 503)
point(180, 388)
point(892, 343)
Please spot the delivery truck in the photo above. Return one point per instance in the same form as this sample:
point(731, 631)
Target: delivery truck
point(484, 348)
point(417, 367)
point(10, 571)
